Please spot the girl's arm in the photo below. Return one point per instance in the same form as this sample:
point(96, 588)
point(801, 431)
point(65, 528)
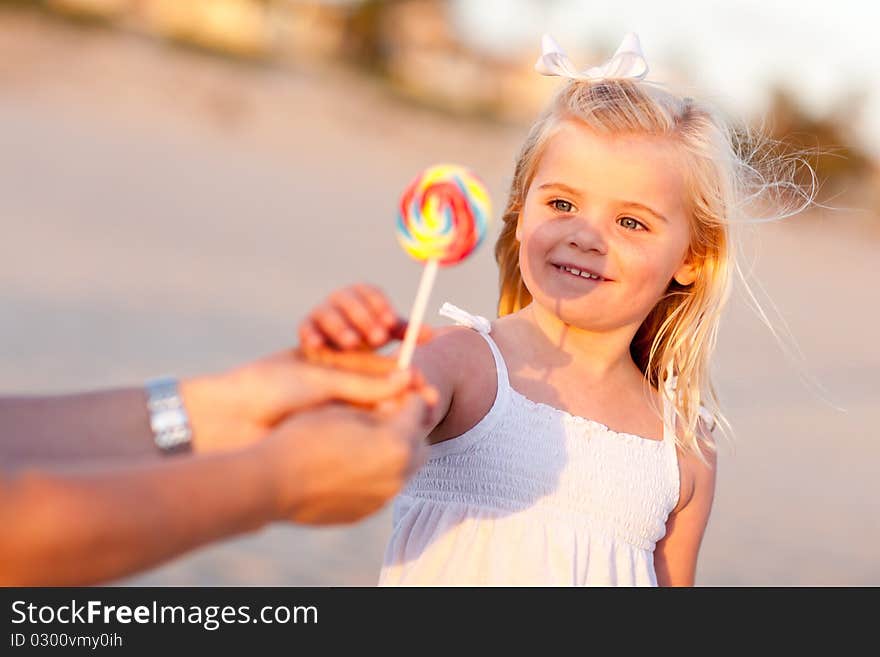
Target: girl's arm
point(675, 557)
point(361, 317)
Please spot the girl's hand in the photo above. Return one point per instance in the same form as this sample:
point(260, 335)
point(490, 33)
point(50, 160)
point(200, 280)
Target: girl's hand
point(355, 317)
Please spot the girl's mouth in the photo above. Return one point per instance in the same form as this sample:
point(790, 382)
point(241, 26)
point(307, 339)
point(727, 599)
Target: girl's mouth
point(573, 271)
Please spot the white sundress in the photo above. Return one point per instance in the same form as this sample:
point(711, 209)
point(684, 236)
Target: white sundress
point(533, 496)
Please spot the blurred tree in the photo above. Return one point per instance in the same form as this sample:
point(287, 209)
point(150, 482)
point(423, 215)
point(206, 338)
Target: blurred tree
point(825, 142)
point(372, 29)
point(364, 35)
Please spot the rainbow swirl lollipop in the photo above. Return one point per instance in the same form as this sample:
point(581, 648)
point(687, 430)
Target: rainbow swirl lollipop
point(443, 215)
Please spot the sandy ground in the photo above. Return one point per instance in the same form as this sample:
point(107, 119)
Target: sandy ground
point(164, 211)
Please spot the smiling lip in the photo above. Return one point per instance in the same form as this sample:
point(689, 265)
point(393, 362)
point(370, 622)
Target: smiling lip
point(585, 273)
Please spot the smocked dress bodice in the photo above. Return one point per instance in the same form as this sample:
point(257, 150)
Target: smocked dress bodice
point(532, 495)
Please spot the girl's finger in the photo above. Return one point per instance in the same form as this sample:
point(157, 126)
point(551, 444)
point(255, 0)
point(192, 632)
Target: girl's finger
point(360, 316)
point(378, 302)
point(309, 336)
point(336, 328)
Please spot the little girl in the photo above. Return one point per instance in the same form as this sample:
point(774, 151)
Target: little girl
point(572, 446)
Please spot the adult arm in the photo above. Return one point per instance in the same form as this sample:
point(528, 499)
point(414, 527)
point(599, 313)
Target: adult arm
point(99, 522)
point(227, 410)
point(59, 428)
point(95, 523)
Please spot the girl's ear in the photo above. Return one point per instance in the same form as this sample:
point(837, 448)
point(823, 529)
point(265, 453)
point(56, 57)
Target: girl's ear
point(687, 273)
point(517, 234)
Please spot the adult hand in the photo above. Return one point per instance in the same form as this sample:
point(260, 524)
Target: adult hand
point(338, 463)
point(239, 407)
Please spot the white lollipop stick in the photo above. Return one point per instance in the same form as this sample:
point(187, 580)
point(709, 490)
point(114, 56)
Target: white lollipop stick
point(418, 312)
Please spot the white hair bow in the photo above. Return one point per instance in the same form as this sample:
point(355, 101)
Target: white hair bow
point(627, 62)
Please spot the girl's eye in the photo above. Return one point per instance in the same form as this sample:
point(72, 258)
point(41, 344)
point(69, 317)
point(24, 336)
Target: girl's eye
point(632, 224)
point(562, 206)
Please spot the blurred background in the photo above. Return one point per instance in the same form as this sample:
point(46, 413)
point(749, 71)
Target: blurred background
point(181, 181)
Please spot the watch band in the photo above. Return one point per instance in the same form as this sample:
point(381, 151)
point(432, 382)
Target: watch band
point(168, 417)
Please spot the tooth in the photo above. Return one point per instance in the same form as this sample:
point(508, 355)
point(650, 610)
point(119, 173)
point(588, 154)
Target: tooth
point(576, 272)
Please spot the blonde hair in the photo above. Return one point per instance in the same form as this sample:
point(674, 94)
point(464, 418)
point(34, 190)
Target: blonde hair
point(722, 179)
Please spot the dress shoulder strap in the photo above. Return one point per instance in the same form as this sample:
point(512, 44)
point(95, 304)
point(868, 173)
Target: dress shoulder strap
point(482, 326)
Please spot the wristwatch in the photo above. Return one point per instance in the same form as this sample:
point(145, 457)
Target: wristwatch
point(168, 418)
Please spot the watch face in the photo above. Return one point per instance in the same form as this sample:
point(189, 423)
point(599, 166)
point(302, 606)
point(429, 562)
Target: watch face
point(167, 420)
point(177, 439)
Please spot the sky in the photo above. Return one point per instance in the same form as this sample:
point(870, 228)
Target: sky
point(730, 50)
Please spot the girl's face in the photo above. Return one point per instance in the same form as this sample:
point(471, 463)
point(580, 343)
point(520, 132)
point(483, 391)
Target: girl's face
point(610, 206)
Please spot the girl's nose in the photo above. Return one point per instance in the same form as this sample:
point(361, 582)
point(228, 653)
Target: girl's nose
point(587, 236)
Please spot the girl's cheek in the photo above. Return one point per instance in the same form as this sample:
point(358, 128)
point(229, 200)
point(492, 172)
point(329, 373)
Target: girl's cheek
point(541, 234)
point(531, 255)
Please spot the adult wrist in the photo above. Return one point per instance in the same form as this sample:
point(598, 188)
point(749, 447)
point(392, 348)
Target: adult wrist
point(285, 472)
point(262, 487)
point(219, 413)
point(196, 395)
